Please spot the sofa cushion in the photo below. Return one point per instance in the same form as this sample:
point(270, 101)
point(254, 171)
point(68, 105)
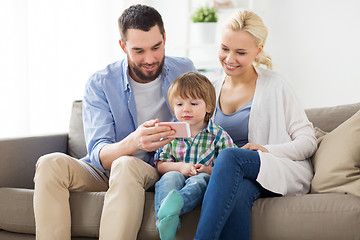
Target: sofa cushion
point(319, 134)
point(17, 213)
point(337, 160)
point(76, 143)
point(16, 210)
point(331, 216)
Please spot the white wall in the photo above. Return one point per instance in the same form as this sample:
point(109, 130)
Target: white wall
point(13, 54)
point(48, 49)
point(315, 44)
point(68, 41)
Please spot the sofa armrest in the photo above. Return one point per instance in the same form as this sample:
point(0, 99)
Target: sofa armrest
point(18, 157)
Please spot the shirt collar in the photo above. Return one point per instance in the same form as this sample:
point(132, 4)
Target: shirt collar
point(125, 74)
point(209, 127)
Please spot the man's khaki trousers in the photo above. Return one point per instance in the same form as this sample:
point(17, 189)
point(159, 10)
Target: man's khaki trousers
point(58, 174)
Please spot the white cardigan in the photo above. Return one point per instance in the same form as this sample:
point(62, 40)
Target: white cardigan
point(278, 122)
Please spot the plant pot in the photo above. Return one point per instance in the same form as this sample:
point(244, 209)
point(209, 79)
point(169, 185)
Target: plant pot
point(204, 32)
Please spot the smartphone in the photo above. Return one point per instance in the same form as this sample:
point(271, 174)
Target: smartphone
point(182, 128)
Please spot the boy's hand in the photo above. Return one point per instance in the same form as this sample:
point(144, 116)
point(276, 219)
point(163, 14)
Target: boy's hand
point(188, 169)
point(203, 169)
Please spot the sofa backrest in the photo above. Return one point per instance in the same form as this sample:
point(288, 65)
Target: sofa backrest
point(326, 118)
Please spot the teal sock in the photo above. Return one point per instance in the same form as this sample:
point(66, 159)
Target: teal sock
point(168, 226)
point(171, 205)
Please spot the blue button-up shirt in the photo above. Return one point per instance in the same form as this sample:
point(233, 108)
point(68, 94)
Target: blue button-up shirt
point(109, 109)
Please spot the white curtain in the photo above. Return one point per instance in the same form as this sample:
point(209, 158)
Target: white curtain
point(48, 49)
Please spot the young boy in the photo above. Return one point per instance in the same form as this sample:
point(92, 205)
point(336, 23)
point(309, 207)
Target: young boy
point(186, 163)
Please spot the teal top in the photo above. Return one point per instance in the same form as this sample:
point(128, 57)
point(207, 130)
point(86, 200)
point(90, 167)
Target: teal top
point(236, 124)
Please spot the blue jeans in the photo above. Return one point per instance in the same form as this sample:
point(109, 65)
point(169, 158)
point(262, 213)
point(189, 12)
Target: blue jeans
point(191, 189)
point(230, 195)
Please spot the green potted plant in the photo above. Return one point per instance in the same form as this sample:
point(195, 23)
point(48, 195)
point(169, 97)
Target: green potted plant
point(204, 24)
point(205, 14)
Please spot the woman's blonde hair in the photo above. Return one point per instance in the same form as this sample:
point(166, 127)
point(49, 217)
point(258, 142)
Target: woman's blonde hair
point(193, 85)
point(244, 20)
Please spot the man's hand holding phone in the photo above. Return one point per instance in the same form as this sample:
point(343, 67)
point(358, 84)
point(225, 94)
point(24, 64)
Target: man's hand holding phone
point(182, 128)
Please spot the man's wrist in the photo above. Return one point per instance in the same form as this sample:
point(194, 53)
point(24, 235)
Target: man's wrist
point(130, 144)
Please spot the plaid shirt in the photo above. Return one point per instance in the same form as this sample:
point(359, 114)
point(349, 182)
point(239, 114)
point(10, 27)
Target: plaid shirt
point(203, 148)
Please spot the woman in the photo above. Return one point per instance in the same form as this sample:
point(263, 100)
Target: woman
point(261, 113)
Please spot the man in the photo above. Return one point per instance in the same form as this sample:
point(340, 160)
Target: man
point(121, 106)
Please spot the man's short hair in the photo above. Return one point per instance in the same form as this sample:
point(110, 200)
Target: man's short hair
point(140, 17)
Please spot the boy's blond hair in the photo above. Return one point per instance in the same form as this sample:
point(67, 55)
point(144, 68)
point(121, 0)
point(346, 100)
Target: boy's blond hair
point(193, 85)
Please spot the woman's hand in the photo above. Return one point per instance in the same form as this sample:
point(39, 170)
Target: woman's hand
point(254, 147)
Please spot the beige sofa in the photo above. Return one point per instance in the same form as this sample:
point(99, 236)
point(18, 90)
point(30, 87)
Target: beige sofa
point(313, 216)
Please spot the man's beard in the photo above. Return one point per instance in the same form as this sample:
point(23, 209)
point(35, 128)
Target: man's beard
point(146, 78)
